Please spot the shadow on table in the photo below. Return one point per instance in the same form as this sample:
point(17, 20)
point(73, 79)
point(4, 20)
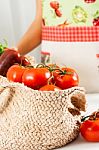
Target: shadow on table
point(81, 144)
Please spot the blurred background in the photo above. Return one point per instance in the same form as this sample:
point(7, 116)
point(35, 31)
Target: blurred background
point(15, 18)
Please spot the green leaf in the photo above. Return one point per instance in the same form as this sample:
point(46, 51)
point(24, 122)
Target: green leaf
point(96, 15)
point(3, 46)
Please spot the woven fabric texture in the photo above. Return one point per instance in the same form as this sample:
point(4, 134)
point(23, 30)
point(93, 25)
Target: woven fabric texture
point(36, 120)
point(70, 34)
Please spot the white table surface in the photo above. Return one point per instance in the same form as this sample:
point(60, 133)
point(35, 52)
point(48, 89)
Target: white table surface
point(80, 143)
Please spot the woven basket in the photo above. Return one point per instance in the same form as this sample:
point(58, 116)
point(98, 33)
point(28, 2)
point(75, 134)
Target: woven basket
point(36, 120)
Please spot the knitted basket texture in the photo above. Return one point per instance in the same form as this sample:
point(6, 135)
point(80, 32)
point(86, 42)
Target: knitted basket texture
point(38, 120)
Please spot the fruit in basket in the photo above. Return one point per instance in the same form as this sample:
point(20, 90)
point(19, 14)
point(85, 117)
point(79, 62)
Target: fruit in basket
point(36, 77)
point(49, 87)
point(29, 115)
point(90, 128)
point(7, 59)
point(44, 77)
point(15, 73)
point(66, 78)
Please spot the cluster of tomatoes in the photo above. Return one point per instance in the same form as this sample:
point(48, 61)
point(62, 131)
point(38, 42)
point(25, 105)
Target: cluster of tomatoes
point(44, 77)
point(51, 78)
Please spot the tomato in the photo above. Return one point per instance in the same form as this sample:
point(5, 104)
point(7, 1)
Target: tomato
point(49, 87)
point(36, 77)
point(67, 78)
point(90, 129)
point(15, 73)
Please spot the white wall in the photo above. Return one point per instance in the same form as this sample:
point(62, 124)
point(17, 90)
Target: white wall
point(16, 16)
point(6, 25)
point(23, 13)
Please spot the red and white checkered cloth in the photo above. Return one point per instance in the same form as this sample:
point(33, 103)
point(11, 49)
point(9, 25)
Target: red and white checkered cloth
point(70, 34)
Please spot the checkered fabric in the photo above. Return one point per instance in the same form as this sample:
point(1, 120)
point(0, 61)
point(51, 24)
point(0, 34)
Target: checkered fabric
point(70, 34)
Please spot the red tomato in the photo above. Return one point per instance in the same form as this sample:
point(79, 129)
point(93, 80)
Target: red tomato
point(69, 78)
point(15, 73)
point(49, 87)
point(36, 77)
point(90, 129)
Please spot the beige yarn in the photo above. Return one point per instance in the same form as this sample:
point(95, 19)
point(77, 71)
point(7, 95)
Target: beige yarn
point(36, 120)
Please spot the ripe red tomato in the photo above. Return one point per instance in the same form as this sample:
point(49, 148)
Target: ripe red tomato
point(66, 79)
point(36, 77)
point(15, 73)
point(90, 129)
point(49, 87)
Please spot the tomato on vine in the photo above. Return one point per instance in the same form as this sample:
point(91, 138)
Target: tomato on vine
point(15, 73)
point(90, 128)
point(36, 77)
point(66, 78)
point(49, 87)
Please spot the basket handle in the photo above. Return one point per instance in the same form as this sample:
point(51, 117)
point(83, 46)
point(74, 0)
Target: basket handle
point(78, 101)
point(5, 97)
